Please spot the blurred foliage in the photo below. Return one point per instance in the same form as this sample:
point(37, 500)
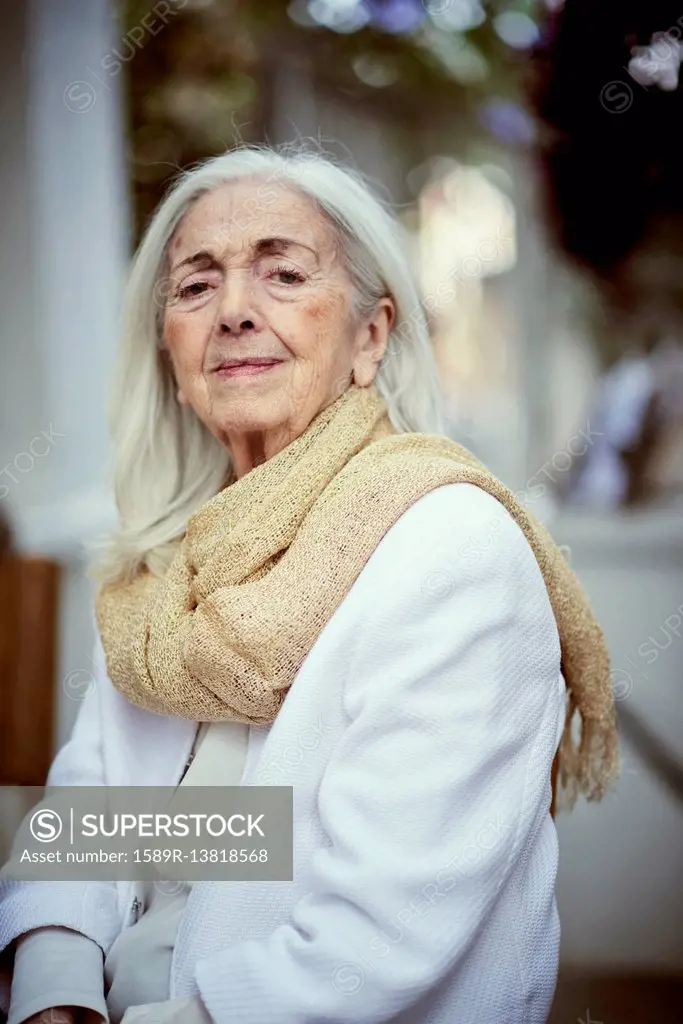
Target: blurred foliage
point(612, 164)
point(203, 75)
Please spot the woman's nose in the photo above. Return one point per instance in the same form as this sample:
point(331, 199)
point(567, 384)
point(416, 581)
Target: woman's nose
point(234, 325)
point(236, 313)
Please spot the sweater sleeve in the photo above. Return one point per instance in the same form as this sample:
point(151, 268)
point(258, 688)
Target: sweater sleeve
point(441, 779)
point(90, 908)
point(56, 967)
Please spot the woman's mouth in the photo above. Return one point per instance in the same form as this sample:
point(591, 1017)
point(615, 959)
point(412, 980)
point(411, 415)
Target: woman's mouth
point(247, 368)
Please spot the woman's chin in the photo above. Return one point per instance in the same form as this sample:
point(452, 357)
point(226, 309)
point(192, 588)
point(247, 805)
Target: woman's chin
point(254, 415)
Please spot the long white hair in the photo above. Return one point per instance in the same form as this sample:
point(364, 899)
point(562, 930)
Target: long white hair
point(166, 462)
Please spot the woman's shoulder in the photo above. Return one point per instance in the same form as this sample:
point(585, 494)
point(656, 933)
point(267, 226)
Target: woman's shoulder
point(454, 560)
point(457, 503)
point(456, 537)
point(459, 520)
point(454, 579)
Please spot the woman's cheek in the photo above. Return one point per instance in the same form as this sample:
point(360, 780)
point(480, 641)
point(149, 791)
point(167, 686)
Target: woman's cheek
point(175, 330)
point(185, 335)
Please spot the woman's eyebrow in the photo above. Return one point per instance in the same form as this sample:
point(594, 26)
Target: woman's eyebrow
point(279, 244)
point(203, 257)
point(272, 245)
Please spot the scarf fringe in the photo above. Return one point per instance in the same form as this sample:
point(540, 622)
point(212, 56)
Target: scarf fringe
point(590, 764)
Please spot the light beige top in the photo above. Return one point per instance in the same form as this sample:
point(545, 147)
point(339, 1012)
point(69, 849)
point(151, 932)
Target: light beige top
point(138, 966)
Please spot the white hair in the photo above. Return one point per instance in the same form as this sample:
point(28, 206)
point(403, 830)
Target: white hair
point(166, 462)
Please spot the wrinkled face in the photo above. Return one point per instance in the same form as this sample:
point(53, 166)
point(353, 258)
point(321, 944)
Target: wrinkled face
point(259, 322)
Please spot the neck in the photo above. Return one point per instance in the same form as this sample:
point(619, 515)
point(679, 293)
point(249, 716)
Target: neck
point(248, 450)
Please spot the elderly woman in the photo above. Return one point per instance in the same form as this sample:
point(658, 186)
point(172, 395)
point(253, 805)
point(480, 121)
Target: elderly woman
point(301, 552)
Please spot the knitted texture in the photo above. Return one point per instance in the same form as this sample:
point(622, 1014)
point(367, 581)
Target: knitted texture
point(264, 564)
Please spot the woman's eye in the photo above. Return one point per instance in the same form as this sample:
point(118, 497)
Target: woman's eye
point(189, 291)
point(286, 275)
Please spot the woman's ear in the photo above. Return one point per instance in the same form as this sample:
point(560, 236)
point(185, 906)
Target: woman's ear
point(373, 341)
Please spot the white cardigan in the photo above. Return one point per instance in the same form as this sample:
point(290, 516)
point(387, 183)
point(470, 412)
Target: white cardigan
point(418, 736)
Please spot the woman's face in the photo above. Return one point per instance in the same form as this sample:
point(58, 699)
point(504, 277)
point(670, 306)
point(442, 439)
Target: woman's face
point(255, 274)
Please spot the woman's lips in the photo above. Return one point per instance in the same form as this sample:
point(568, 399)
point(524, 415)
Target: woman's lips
point(248, 369)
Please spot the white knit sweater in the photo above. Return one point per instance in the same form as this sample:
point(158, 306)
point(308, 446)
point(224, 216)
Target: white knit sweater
point(418, 736)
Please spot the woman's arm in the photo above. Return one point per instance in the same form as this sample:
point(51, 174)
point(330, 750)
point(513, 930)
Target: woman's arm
point(455, 708)
point(56, 967)
point(89, 908)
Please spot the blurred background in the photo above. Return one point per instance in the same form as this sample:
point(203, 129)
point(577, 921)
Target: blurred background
point(531, 151)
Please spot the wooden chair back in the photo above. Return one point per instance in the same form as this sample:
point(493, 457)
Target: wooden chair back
point(29, 600)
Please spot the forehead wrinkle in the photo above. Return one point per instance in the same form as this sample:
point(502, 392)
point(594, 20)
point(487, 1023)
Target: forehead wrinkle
point(269, 246)
point(211, 225)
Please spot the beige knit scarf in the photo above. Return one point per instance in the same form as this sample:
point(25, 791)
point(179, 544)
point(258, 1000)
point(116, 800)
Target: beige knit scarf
point(264, 564)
